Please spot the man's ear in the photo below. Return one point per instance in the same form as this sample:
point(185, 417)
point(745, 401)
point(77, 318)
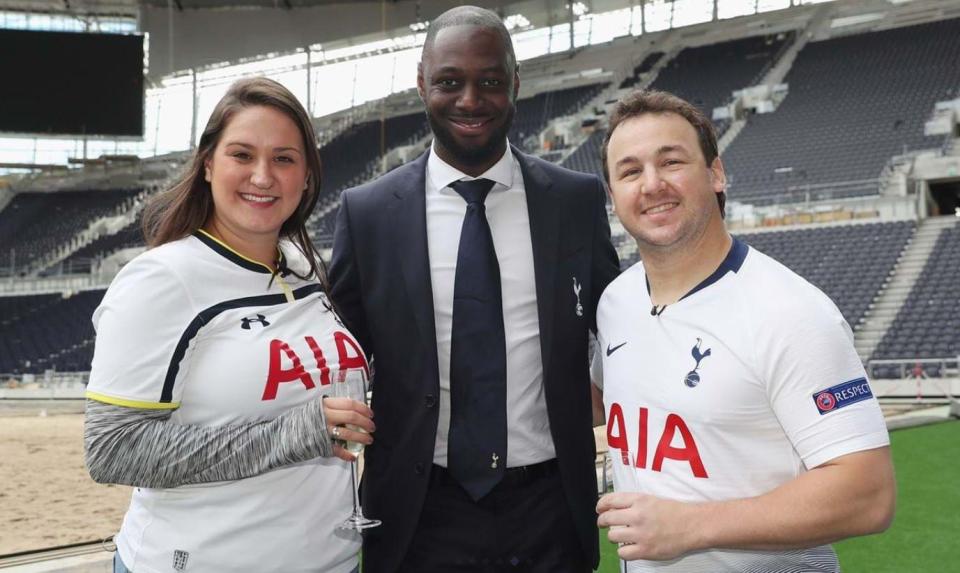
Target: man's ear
point(516, 81)
point(421, 89)
point(719, 176)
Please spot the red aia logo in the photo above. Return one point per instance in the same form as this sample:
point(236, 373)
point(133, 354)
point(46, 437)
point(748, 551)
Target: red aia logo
point(349, 356)
point(674, 424)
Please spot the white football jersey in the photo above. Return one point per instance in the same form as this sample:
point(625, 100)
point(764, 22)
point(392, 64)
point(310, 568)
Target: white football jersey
point(194, 327)
point(748, 381)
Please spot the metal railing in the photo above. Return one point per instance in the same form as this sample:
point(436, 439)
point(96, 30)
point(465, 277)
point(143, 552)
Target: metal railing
point(900, 368)
point(48, 380)
point(807, 193)
point(22, 285)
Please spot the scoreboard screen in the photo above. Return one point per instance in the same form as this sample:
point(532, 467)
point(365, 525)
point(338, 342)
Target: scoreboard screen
point(64, 83)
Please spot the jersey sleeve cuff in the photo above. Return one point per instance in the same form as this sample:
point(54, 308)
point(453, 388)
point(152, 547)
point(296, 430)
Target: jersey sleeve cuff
point(143, 405)
point(870, 441)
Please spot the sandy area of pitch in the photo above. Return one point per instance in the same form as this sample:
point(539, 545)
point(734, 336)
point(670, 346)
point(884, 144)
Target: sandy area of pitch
point(46, 497)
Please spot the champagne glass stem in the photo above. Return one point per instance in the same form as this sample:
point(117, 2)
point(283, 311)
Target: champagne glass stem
point(353, 482)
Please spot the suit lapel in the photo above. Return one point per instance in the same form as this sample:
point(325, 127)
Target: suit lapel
point(410, 244)
point(543, 211)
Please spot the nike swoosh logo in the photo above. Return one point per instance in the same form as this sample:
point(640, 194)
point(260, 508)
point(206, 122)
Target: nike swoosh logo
point(614, 349)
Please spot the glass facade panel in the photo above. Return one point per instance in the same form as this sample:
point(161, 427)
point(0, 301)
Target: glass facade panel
point(769, 5)
point(734, 8)
point(333, 87)
point(689, 12)
point(610, 25)
point(657, 14)
point(532, 43)
point(559, 38)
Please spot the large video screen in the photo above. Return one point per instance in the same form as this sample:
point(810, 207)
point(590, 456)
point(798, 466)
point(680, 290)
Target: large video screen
point(62, 83)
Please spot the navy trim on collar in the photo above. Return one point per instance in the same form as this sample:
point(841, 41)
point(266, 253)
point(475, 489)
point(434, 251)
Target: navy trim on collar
point(232, 256)
point(731, 264)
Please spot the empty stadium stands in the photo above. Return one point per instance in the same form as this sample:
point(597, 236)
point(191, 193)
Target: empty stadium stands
point(347, 157)
point(928, 324)
point(707, 76)
point(535, 112)
point(47, 331)
point(853, 103)
point(82, 260)
point(34, 224)
point(587, 157)
point(643, 67)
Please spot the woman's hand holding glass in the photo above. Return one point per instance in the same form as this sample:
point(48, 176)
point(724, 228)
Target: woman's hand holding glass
point(348, 421)
point(352, 385)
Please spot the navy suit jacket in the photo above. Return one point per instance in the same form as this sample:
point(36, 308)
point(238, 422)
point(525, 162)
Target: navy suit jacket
point(380, 283)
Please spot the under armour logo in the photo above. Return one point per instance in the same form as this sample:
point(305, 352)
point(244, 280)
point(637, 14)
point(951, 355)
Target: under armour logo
point(576, 292)
point(692, 378)
point(246, 322)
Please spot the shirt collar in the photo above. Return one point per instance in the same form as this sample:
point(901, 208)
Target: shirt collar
point(730, 264)
point(229, 253)
point(442, 174)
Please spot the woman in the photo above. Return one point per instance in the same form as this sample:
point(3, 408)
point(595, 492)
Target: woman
point(213, 350)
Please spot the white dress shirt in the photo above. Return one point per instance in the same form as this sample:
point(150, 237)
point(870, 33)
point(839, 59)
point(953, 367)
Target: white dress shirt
point(528, 428)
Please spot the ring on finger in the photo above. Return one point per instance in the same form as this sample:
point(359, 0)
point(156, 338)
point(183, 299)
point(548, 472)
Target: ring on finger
point(335, 432)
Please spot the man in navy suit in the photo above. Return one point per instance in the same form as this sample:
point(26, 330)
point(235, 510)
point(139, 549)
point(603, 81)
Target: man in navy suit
point(484, 457)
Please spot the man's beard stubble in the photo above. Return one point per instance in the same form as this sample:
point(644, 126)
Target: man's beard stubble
point(471, 155)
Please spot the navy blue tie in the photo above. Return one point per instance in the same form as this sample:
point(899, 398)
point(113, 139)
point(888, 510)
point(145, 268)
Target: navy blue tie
point(477, 447)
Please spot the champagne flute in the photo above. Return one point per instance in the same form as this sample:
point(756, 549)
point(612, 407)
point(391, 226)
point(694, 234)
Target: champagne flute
point(352, 383)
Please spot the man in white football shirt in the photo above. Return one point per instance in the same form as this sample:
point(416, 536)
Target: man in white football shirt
point(743, 431)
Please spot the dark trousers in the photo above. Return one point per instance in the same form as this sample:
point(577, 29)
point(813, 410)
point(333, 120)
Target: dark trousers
point(523, 525)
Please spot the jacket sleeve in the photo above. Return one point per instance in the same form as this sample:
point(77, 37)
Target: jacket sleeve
point(345, 277)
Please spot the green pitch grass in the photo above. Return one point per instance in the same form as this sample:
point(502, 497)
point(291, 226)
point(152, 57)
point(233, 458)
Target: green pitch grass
point(926, 529)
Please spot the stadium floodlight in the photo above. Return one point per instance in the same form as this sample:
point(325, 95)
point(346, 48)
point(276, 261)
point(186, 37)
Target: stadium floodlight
point(515, 21)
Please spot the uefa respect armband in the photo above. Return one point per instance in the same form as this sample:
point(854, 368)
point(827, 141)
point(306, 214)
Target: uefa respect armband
point(841, 395)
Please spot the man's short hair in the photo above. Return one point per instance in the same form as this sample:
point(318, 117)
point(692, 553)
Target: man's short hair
point(472, 16)
point(642, 102)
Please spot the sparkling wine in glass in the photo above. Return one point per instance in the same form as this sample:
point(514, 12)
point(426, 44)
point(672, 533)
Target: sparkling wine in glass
point(352, 384)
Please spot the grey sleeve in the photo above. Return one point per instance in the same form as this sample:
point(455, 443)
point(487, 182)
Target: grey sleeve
point(144, 448)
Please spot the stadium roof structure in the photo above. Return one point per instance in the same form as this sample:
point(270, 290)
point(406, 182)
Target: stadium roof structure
point(205, 4)
point(123, 7)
